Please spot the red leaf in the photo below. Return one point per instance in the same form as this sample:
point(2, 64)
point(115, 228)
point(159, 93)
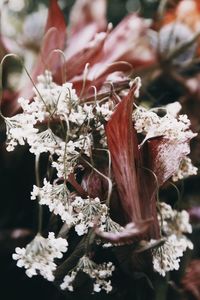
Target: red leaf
point(165, 156)
point(122, 143)
point(85, 12)
point(131, 47)
point(94, 184)
point(55, 37)
point(76, 64)
point(78, 41)
point(191, 279)
point(136, 186)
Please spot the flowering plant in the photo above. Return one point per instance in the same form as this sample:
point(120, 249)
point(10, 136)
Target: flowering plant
point(106, 158)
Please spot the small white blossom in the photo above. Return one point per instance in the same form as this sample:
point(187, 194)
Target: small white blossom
point(167, 257)
point(169, 126)
point(67, 282)
point(99, 273)
point(38, 256)
point(45, 141)
point(91, 212)
point(173, 108)
point(53, 98)
point(173, 224)
point(104, 110)
point(173, 221)
point(57, 198)
point(18, 129)
point(67, 159)
point(186, 169)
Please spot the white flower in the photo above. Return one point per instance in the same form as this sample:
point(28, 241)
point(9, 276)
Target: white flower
point(186, 169)
point(90, 214)
point(173, 224)
point(104, 110)
point(45, 141)
point(67, 282)
point(38, 256)
point(57, 198)
point(173, 108)
point(53, 98)
point(67, 159)
point(78, 203)
point(96, 288)
point(99, 273)
point(18, 129)
point(81, 229)
point(169, 126)
point(173, 221)
point(167, 257)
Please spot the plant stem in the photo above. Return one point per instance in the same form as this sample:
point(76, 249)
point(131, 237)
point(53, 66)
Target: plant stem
point(37, 176)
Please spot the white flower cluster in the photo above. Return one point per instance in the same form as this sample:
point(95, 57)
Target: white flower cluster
point(38, 256)
point(173, 221)
point(18, 130)
point(172, 126)
point(173, 224)
point(186, 168)
point(167, 257)
point(57, 198)
point(90, 212)
point(74, 210)
point(58, 123)
point(99, 273)
point(149, 123)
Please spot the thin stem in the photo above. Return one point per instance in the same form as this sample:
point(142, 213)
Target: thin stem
point(37, 176)
point(177, 203)
point(85, 73)
point(29, 76)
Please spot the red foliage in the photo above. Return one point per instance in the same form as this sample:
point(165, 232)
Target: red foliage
point(165, 156)
point(191, 280)
point(55, 37)
point(122, 143)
